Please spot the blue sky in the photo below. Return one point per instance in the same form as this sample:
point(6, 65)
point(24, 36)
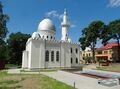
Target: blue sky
point(25, 15)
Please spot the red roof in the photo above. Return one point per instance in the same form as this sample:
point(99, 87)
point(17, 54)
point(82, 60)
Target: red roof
point(107, 46)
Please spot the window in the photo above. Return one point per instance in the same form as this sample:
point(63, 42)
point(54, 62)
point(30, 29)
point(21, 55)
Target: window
point(71, 50)
point(76, 50)
point(47, 36)
point(47, 55)
point(51, 37)
point(57, 56)
point(86, 55)
point(71, 60)
point(52, 56)
point(83, 55)
point(105, 52)
point(76, 60)
point(89, 54)
point(99, 52)
point(39, 35)
point(83, 58)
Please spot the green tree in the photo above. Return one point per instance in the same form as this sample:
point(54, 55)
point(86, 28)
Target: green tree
point(16, 44)
point(90, 36)
point(3, 32)
point(88, 59)
point(112, 31)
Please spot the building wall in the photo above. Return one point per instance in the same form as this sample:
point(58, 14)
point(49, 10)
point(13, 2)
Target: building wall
point(107, 54)
point(52, 46)
point(75, 55)
point(104, 54)
point(36, 52)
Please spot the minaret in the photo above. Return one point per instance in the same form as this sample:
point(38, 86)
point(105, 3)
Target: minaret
point(65, 25)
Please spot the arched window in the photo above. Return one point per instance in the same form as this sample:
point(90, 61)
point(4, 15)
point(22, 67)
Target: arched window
point(39, 35)
point(71, 60)
point(76, 50)
point(57, 56)
point(47, 55)
point(76, 60)
point(52, 56)
point(71, 50)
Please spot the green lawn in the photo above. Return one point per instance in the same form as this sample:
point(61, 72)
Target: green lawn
point(7, 66)
point(113, 67)
point(21, 81)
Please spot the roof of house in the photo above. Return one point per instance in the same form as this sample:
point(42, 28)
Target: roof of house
point(107, 46)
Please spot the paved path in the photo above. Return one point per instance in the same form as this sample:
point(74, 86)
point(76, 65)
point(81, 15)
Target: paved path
point(13, 71)
point(81, 82)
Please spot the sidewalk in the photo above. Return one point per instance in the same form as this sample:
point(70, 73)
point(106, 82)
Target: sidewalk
point(81, 82)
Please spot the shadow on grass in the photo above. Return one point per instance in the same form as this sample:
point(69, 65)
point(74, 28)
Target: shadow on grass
point(5, 87)
point(9, 82)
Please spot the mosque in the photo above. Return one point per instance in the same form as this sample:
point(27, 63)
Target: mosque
point(44, 51)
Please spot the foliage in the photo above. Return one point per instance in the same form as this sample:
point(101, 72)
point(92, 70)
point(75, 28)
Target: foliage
point(90, 35)
point(88, 59)
point(3, 50)
point(112, 31)
point(16, 44)
point(3, 32)
point(3, 20)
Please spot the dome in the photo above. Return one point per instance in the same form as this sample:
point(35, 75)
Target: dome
point(46, 24)
point(35, 35)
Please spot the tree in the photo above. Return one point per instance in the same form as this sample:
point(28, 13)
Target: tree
point(112, 31)
point(16, 44)
point(88, 59)
point(3, 20)
point(90, 35)
point(3, 32)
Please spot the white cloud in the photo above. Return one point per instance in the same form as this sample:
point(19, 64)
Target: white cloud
point(72, 25)
point(114, 3)
point(57, 15)
point(54, 13)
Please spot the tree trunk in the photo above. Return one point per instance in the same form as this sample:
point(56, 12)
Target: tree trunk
point(93, 52)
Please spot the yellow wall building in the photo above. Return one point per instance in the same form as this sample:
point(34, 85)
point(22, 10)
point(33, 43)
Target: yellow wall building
point(108, 52)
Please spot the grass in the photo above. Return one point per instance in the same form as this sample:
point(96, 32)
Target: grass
point(7, 66)
point(113, 67)
point(9, 82)
point(24, 81)
point(5, 87)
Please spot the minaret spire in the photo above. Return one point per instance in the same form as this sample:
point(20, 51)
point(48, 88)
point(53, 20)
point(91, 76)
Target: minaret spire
point(65, 25)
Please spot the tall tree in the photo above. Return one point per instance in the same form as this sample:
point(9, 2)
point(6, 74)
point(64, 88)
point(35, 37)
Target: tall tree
point(16, 44)
point(3, 20)
point(112, 31)
point(3, 31)
point(90, 35)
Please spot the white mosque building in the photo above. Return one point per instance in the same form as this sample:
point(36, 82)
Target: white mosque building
point(44, 51)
